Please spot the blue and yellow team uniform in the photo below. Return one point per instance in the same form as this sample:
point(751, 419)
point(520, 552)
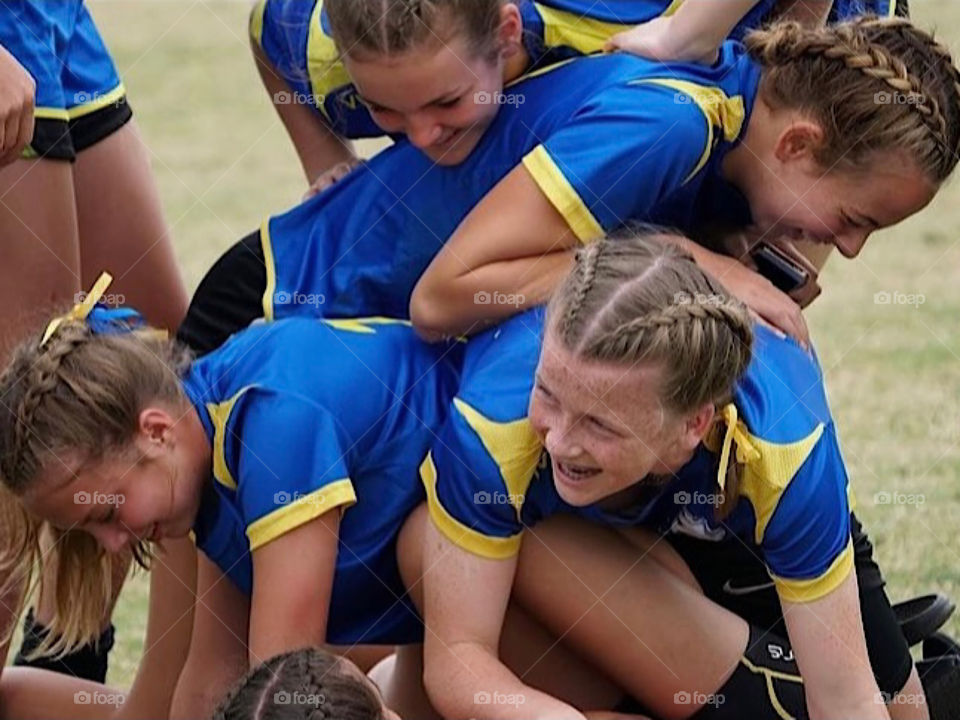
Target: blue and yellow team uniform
point(296, 38)
point(80, 98)
point(308, 416)
point(628, 139)
point(848, 9)
point(793, 507)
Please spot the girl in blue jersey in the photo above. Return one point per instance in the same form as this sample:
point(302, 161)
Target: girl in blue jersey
point(324, 62)
point(662, 408)
point(77, 195)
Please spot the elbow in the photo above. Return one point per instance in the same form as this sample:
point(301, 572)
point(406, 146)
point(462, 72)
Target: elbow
point(427, 314)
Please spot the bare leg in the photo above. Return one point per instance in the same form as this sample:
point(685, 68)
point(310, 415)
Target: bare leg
point(627, 613)
point(32, 694)
point(910, 703)
point(122, 228)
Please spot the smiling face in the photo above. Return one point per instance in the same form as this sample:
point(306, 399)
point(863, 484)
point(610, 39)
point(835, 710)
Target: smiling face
point(147, 492)
point(791, 194)
point(604, 426)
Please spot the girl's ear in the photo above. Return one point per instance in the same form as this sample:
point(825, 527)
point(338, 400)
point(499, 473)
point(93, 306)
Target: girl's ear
point(154, 426)
point(697, 425)
point(799, 140)
point(510, 33)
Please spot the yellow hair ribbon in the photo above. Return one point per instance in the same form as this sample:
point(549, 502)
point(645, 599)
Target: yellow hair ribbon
point(81, 310)
point(746, 452)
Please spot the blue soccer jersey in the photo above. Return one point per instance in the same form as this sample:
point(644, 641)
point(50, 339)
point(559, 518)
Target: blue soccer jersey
point(793, 505)
point(295, 36)
point(627, 140)
point(306, 417)
point(848, 9)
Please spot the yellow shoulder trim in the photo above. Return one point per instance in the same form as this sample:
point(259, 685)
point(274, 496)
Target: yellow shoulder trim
point(300, 512)
point(256, 22)
point(721, 111)
point(492, 548)
point(765, 479)
point(364, 326)
point(220, 416)
point(324, 66)
point(266, 244)
point(804, 591)
point(672, 8)
point(576, 30)
point(513, 446)
point(561, 195)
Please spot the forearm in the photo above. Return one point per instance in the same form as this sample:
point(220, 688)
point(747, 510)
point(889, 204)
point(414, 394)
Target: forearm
point(488, 294)
point(703, 25)
point(467, 680)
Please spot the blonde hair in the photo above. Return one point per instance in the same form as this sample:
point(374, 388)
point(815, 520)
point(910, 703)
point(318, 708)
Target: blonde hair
point(874, 85)
point(638, 298)
point(77, 392)
point(389, 27)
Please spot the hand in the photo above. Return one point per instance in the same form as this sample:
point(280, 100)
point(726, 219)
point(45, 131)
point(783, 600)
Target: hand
point(17, 91)
point(658, 39)
point(331, 177)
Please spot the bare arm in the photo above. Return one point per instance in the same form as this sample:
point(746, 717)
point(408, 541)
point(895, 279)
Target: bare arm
point(465, 602)
point(831, 652)
point(218, 647)
point(317, 146)
point(173, 583)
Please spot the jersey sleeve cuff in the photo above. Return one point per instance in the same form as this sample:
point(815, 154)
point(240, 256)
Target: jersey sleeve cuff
point(806, 591)
point(256, 22)
point(464, 537)
point(300, 512)
point(561, 194)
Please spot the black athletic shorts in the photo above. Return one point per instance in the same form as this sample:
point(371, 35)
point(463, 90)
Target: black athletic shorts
point(735, 578)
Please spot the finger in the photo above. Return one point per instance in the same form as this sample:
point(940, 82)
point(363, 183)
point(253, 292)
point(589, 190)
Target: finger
point(27, 126)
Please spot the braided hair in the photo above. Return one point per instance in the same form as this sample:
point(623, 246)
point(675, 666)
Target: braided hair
point(875, 85)
point(388, 27)
point(306, 684)
point(78, 392)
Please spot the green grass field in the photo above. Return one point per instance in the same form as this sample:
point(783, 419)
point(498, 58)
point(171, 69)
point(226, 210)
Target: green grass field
point(223, 161)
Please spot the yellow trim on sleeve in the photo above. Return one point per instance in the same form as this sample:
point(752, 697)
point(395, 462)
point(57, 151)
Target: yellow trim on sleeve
point(576, 30)
point(301, 511)
point(256, 22)
point(324, 66)
point(892, 10)
point(492, 548)
point(220, 416)
point(721, 112)
point(805, 591)
point(672, 8)
point(97, 103)
point(561, 195)
point(266, 244)
point(363, 326)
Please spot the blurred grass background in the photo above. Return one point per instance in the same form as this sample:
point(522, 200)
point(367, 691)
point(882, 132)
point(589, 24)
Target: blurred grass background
point(223, 162)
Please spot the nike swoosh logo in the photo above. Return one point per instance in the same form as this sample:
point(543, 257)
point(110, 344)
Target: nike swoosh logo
point(729, 588)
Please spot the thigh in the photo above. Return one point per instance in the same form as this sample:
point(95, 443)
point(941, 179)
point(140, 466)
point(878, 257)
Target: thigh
point(122, 229)
point(41, 255)
point(32, 694)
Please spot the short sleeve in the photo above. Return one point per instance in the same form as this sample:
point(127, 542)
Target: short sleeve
point(807, 543)
point(486, 453)
point(288, 462)
point(628, 149)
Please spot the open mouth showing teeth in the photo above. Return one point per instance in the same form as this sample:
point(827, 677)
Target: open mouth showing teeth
point(576, 473)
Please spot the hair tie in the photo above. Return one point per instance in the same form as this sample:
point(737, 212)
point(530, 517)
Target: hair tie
point(746, 452)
